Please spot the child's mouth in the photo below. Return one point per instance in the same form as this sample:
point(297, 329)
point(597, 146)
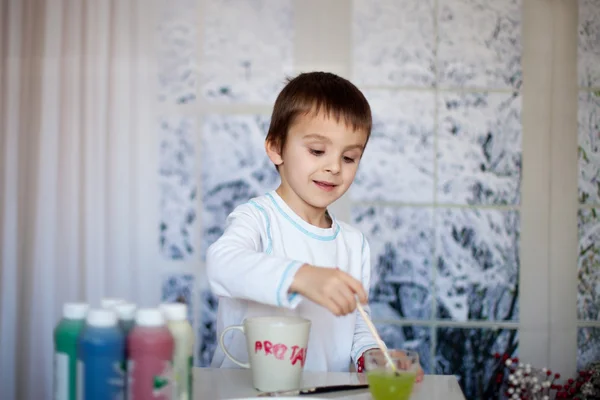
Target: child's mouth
point(328, 187)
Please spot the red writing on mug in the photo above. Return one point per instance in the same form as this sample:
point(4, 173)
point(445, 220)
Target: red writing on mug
point(280, 350)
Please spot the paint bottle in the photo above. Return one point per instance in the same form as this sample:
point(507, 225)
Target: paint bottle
point(151, 347)
point(66, 336)
point(101, 357)
point(109, 302)
point(126, 314)
point(183, 334)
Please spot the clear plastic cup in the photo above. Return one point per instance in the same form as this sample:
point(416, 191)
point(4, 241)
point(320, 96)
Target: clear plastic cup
point(384, 382)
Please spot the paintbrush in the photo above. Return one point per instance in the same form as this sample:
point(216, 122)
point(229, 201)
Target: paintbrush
point(376, 336)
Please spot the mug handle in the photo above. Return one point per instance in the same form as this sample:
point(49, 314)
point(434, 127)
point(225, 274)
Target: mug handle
point(227, 353)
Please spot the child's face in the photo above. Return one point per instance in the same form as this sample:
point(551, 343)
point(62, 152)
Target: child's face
point(320, 158)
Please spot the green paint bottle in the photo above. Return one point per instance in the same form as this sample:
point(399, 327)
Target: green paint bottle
point(66, 336)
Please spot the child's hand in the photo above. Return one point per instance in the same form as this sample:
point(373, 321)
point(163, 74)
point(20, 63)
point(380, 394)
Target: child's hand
point(404, 363)
point(330, 288)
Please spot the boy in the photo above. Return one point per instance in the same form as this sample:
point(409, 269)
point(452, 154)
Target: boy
point(283, 253)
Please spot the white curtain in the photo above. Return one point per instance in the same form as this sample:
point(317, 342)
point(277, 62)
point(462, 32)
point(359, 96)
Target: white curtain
point(78, 202)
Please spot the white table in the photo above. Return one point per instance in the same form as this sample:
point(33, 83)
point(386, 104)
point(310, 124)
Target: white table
point(213, 384)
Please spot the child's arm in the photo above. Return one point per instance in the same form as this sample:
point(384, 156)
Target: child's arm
point(363, 339)
point(236, 266)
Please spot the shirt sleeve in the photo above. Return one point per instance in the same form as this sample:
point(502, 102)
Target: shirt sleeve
point(363, 339)
point(238, 268)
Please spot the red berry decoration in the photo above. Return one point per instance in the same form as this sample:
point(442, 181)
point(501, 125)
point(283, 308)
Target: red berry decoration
point(544, 384)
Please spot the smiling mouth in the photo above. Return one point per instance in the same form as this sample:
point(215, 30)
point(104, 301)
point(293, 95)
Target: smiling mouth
point(325, 185)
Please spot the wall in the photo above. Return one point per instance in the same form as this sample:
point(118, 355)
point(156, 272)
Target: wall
point(467, 189)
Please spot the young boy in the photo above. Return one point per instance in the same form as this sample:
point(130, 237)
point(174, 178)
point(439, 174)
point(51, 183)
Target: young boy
point(283, 253)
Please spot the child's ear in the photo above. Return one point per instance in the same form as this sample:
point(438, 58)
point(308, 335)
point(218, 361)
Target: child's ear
point(273, 152)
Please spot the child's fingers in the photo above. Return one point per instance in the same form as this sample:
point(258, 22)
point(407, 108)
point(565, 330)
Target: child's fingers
point(405, 363)
point(356, 288)
point(332, 305)
point(347, 299)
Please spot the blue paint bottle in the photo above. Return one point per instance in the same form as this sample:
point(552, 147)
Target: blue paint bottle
point(101, 358)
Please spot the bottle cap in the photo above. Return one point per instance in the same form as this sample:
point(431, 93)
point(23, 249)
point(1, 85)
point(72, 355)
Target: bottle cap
point(102, 318)
point(125, 311)
point(109, 302)
point(174, 311)
point(149, 317)
point(163, 306)
point(75, 310)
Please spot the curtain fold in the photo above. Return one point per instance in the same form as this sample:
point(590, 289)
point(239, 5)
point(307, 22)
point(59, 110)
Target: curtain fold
point(78, 203)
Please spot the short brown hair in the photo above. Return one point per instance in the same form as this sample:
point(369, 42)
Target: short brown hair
point(314, 92)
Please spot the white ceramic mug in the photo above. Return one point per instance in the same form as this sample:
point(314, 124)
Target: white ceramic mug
point(276, 351)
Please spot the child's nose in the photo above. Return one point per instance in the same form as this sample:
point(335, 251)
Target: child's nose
point(333, 165)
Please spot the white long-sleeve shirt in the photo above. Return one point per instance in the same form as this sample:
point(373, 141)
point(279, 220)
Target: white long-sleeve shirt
point(252, 265)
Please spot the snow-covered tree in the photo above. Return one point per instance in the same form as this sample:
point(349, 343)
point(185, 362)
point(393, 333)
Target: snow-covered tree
point(588, 287)
point(589, 147)
point(235, 168)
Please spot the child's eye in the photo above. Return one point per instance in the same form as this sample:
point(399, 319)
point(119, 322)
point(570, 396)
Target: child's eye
point(348, 160)
point(316, 152)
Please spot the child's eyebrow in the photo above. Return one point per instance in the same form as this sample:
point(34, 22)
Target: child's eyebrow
point(317, 136)
point(326, 139)
point(355, 146)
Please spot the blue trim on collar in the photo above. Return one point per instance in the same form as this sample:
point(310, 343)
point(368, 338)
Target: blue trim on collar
point(300, 228)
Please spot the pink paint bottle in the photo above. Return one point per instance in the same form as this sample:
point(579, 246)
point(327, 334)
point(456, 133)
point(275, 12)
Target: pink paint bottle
point(150, 346)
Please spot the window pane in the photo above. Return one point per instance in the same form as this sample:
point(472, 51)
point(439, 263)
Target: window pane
point(479, 148)
point(401, 146)
point(477, 264)
point(247, 50)
point(179, 288)
point(588, 287)
point(235, 168)
point(416, 338)
point(401, 242)
point(393, 42)
point(589, 144)
point(469, 354)
point(207, 328)
point(588, 346)
point(178, 188)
